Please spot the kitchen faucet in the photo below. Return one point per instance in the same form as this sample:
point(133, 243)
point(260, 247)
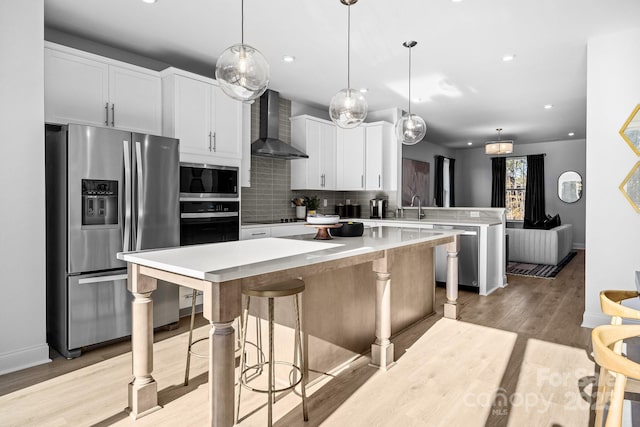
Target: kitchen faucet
point(420, 214)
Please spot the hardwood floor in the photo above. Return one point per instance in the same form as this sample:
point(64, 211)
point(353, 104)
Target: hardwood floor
point(518, 357)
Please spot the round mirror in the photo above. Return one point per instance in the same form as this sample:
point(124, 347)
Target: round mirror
point(570, 186)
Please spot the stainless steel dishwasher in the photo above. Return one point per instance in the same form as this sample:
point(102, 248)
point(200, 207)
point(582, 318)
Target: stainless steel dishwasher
point(467, 257)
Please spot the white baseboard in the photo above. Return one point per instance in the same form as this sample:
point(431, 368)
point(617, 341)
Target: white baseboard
point(24, 358)
point(578, 246)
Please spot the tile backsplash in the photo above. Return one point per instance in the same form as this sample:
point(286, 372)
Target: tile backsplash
point(269, 197)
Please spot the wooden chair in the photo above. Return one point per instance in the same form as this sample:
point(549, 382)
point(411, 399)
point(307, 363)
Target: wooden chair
point(605, 339)
point(610, 303)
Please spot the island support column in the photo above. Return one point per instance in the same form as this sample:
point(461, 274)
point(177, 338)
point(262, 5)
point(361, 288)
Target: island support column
point(143, 390)
point(382, 349)
point(221, 305)
point(451, 306)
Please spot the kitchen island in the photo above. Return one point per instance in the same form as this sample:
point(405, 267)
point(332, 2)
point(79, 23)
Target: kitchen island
point(221, 270)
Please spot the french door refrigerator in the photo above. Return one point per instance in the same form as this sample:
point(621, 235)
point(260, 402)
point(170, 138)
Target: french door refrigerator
point(107, 191)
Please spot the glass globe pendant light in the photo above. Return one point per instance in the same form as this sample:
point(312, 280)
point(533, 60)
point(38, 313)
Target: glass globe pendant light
point(348, 108)
point(410, 128)
point(242, 71)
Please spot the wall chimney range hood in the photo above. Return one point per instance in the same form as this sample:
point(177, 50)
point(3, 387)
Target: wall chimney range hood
point(268, 144)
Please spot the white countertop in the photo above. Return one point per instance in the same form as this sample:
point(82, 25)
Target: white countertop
point(219, 262)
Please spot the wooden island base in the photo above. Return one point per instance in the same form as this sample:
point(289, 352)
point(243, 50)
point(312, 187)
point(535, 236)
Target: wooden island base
point(354, 298)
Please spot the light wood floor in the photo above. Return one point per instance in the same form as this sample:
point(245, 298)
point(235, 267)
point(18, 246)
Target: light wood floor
point(518, 357)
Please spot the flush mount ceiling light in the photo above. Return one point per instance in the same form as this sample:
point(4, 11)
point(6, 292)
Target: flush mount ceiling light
point(242, 71)
point(288, 58)
point(410, 128)
point(508, 58)
point(499, 146)
point(548, 106)
point(348, 108)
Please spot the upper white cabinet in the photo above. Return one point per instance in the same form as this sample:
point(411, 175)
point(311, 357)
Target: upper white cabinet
point(361, 161)
point(350, 159)
point(196, 111)
point(80, 87)
point(317, 138)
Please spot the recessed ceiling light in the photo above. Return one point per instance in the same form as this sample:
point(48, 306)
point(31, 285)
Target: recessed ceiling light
point(548, 106)
point(571, 134)
point(469, 143)
point(150, 1)
point(364, 90)
point(456, 1)
point(417, 99)
point(288, 58)
point(508, 58)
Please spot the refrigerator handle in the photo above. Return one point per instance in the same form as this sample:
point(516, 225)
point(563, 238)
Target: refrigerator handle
point(126, 243)
point(139, 196)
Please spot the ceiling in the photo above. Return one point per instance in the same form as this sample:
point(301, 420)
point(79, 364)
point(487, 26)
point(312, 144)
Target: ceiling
point(466, 90)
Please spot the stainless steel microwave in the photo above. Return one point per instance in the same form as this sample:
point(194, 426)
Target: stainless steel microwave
point(208, 181)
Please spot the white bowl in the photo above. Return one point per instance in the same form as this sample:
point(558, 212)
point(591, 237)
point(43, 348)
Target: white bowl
point(323, 219)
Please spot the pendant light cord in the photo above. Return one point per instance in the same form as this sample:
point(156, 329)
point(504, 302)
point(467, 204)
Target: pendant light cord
point(242, 22)
point(409, 82)
point(349, 48)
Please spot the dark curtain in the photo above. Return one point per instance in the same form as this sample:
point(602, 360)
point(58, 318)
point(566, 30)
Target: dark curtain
point(438, 184)
point(534, 209)
point(498, 181)
point(452, 202)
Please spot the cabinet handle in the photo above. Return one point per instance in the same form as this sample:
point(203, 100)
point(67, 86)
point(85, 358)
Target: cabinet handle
point(362, 181)
point(113, 115)
point(214, 141)
point(106, 114)
point(259, 234)
point(209, 141)
point(379, 181)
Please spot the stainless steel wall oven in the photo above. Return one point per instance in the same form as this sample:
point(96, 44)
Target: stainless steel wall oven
point(209, 204)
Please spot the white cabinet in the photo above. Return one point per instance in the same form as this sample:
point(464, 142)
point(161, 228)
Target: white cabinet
point(376, 136)
point(255, 233)
point(350, 159)
point(360, 157)
point(196, 111)
point(317, 138)
point(80, 87)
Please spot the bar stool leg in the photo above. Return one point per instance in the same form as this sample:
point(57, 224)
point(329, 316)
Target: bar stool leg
point(271, 364)
point(305, 412)
point(193, 317)
point(243, 362)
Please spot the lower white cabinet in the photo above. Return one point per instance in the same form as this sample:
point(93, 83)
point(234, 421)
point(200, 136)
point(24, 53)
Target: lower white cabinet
point(255, 233)
point(280, 230)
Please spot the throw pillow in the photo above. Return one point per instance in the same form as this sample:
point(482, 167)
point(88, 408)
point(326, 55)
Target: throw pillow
point(553, 222)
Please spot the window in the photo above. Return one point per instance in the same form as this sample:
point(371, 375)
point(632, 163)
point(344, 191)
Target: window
point(515, 187)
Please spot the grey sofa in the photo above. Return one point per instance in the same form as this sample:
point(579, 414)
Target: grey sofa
point(540, 246)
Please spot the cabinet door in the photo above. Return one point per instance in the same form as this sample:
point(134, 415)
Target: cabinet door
point(76, 89)
point(136, 100)
point(193, 115)
point(350, 157)
point(314, 171)
point(327, 148)
point(227, 139)
point(373, 157)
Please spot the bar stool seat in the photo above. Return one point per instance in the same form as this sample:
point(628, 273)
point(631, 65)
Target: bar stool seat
point(290, 288)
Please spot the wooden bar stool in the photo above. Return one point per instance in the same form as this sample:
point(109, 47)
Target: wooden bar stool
point(611, 305)
point(292, 288)
point(604, 339)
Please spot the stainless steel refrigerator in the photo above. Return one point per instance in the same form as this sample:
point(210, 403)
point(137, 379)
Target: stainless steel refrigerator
point(107, 191)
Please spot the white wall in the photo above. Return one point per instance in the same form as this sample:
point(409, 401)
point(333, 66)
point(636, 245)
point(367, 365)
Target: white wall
point(22, 238)
point(473, 179)
point(613, 226)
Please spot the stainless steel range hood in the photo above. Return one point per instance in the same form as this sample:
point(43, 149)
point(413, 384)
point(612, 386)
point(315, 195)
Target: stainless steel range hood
point(268, 144)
